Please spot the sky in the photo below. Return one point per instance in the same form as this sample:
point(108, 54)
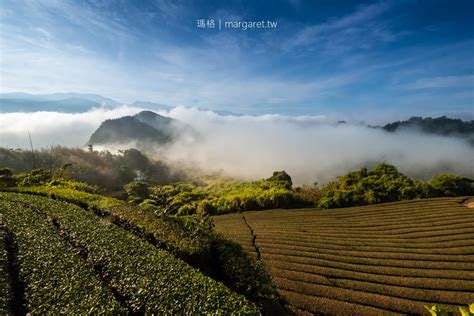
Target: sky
point(347, 58)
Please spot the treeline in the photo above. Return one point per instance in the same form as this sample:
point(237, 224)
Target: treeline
point(109, 172)
point(216, 195)
point(440, 126)
point(362, 187)
point(152, 185)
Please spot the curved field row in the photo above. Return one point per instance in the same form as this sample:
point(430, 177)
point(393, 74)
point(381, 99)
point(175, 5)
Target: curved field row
point(457, 235)
point(374, 254)
point(143, 278)
point(370, 260)
point(455, 250)
point(400, 271)
point(402, 262)
point(461, 229)
point(366, 224)
point(378, 210)
point(374, 277)
point(396, 232)
point(304, 272)
point(378, 223)
point(327, 306)
point(389, 303)
point(391, 244)
point(417, 294)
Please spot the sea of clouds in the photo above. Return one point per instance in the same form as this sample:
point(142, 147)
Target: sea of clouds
point(310, 148)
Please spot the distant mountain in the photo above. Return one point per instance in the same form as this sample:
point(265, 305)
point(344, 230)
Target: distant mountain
point(62, 102)
point(225, 113)
point(439, 126)
point(144, 128)
point(152, 105)
point(72, 105)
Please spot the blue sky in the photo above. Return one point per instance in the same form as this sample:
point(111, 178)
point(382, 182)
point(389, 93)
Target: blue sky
point(350, 57)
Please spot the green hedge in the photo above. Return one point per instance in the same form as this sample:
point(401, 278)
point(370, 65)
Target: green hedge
point(167, 232)
point(189, 237)
point(150, 280)
point(58, 280)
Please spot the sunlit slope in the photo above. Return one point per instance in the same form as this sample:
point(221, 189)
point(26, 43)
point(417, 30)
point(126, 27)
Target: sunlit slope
point(373, 260)
point(59, 258)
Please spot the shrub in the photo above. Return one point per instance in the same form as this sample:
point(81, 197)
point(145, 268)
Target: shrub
point(35, 177)
point(137, 191)
point(6, 177)
point(219, 196)
point(383, 184)
point(452, 185)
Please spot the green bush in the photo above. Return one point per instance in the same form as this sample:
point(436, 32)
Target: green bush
point(386, 184)
point(137, 191)
point(219, 196)
point(35, 177)
point(6, 177)
point(452, 185)
point(383, 184)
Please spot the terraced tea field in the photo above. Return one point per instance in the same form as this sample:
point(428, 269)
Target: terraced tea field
point(59, 258)
point(382, 259)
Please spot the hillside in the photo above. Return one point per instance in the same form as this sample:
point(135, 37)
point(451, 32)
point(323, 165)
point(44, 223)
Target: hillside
point(61, 258)
point(143, 130)
point(129, 129)
point(386, 259)
point(443, 125)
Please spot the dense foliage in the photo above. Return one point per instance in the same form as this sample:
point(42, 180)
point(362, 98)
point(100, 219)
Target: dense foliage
point(108, 171)
point(441, 126)
point(219, 196)
point(49, 266)
point(190, 238)
point(386, 184)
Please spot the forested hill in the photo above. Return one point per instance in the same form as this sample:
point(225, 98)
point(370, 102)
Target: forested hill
point(440, 126)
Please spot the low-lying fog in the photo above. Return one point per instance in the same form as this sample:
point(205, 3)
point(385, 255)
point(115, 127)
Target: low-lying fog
point(309, 148)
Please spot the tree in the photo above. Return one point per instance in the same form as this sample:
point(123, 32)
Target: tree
point(281, 176)
point(452, 185)
point(137, 191)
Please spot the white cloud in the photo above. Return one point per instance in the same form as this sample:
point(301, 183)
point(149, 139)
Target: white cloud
point(357, 29)
point(443, 82)
point(309, 148)
point(54, 128)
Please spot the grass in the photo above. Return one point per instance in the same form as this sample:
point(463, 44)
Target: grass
point(388, 258)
